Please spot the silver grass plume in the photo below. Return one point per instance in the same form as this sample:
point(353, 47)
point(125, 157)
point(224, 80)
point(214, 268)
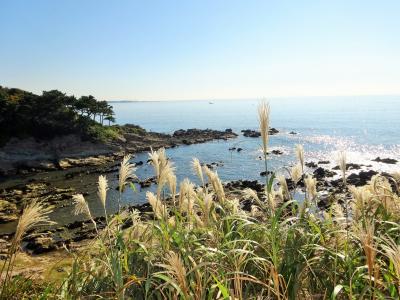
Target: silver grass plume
point(126, 172)
point(341, 160)
point(216, 183)
point(296, 173)
point(159, 209)
point(392, 251)
point(81, 207)
point(283, 184)
point(34, 214)
point(311, 187)
point(300, 155)
point(102, 188)
point(263, 120)
point(197, 169)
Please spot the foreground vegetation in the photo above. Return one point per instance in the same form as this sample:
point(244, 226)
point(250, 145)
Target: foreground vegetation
point(24, 114)
point(200, 242)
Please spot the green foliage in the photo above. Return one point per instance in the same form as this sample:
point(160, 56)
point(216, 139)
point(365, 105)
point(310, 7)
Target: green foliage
point(21, 287)
point(23, 114)
point(102, 133)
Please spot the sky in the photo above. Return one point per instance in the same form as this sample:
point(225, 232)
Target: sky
point(201, 49)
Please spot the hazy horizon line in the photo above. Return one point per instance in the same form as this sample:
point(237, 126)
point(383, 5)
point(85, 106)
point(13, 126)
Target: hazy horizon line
point(253, 98)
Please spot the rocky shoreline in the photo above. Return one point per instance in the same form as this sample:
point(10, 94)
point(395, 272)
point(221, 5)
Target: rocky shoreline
point(60, 179)
point(71, 234)
point(52, 171)
point(21, 157)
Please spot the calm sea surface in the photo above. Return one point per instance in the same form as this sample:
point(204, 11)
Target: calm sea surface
point(365, 127)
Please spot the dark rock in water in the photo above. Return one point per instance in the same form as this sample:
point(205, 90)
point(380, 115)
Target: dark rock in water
point(292, 132)
point(352, 166)
point(349, 166)
point(273, 131)
point(263, 173)
point(251, 133)
point(179, 132)
point(239, 149)
point(232, 149)
point(229, 130)
point(277, 152)
point(147, 182)
point(362, 178)
point(325, 202)
point(217, 164)
point(290, 183)
point(385, 160)
point(356, 179)
point(212, 165)
point(323, 162)
point(139, 163)
point(256, 134)
point(321, 173)
point(311, 164)
point(242, 184)
point(40, 244)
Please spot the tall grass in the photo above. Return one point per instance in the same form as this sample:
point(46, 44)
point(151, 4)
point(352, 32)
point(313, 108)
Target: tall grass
point(203, 242)
point(34, 214)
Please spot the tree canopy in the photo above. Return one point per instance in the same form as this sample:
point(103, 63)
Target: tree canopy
point(24, 114)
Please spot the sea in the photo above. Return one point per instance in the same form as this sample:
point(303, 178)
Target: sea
point(365, 127)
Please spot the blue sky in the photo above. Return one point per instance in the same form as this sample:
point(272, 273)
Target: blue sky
point(206, 49)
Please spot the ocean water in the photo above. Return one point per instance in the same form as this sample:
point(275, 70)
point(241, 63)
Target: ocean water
point(364, 127)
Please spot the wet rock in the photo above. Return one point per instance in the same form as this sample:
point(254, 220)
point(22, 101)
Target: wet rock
point(193, 136)
point(36, 165)
point(8, 211)
point(362, 178)
point(239, 149)
point(232, 149)
point(385, 160)
point(147, 182)
point(356, 179)
point(4, 245)
point(49, 195)
point(228, 130)
point(324, 162)
point(243, 184)
point(40, 244)
point(251, 133)
point(212, 165)
point(179, 132)
point(64, 164)
point(321, 173)
point(292, 132)
point(273, 131)
point(277, 152)
point(325, 201)
point(255, 133)
point(139, 163)
point(349, 166)
point(263, 173)
point(311, 164)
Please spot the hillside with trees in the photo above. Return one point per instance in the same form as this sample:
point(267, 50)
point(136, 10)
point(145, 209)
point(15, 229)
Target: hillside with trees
point(53, 113)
